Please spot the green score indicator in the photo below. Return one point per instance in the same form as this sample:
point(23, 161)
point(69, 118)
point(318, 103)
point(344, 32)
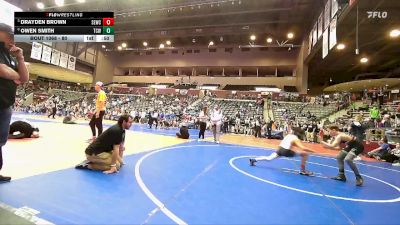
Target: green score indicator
point(108, 30)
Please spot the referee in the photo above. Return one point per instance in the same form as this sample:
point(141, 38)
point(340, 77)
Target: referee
point(97, 118)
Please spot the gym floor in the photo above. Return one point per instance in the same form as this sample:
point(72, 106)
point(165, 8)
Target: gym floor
point(172, 181)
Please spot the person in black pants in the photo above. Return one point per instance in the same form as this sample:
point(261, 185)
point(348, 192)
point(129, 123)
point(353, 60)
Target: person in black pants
point(203, 118)
point(97, 118)
point(12, 73)
point(183, 132)
point(53, 109)
point(257, 128)
point(22, 129)
point(269, 129)
point(354, 147)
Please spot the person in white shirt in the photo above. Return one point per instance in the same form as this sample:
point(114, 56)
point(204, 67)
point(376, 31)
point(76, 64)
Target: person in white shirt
point(285, 149)
point(154, 117)
point(142, 117)
point(203, 118)
point(216, 121)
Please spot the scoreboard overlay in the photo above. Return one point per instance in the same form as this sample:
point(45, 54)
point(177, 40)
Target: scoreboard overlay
point(64, 26)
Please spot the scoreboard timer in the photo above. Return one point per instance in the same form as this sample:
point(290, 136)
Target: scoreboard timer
point(64, 26)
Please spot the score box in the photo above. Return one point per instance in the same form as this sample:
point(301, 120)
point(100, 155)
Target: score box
point(108, 30)
point(108, 22)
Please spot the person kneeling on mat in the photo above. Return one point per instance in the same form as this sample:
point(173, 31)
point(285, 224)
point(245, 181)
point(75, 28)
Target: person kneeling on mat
point(183, 132)
point(106, 152)
point(22, 129)
point(69, 120)
point(285, 149)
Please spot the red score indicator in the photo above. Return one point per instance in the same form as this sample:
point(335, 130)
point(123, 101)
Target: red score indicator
point(108, 21)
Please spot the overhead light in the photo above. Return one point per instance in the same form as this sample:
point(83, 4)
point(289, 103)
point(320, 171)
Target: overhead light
point(162, 46)
point(269, 40)
point(40, 5)
point(290, 35)
point(145, 44)
point(103, 46)
point(211, 43)
point(168, 42)
point(123, 45)
point(81, 1)
point(395, 33)
point(340, 46)
point(364, 60)
point(119, 48)
point(59, 2)
point(253, 37)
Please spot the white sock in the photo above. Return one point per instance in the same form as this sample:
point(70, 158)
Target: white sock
point(270, 157)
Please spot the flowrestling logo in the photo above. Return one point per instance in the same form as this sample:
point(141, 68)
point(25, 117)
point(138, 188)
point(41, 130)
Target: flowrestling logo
point(377, 14)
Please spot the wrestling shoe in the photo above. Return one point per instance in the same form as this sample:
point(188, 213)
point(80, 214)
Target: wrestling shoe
point(83, 165)
point(306, 173)
point(340, 177)
point(4, 179)
point(359, 181)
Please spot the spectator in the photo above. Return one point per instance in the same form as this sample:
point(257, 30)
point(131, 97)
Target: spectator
point(216, 121)
point(383, 149)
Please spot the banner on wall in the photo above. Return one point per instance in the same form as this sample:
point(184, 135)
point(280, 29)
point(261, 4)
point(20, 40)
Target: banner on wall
point(332, 33)
point(315, 35)
point(320, 25)
point(63, 60)
point(327, 14)
point(46, 54)
point(71, 62)
point(325, 43)
point(36, 52)
point(55, 57)
point(335, 8)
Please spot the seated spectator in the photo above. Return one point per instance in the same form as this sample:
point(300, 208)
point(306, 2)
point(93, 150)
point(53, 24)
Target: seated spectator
point(183, 132)
point(22, 129)
point(386, 121)
point(381, 150)
point(393, 156)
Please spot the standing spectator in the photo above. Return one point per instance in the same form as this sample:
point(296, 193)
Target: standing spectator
point(226, 125)
point(97, 118)
point(269, 128)
point(374, 113)
point(257, 128)
point(216, 121)
point(12, 72)
point(203, 118)
point(53, 105)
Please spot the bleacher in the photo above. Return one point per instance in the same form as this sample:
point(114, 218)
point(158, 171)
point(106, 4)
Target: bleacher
point(299, 110)
point(230, 107)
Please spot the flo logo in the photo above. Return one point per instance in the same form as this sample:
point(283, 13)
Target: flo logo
point(377, 14)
